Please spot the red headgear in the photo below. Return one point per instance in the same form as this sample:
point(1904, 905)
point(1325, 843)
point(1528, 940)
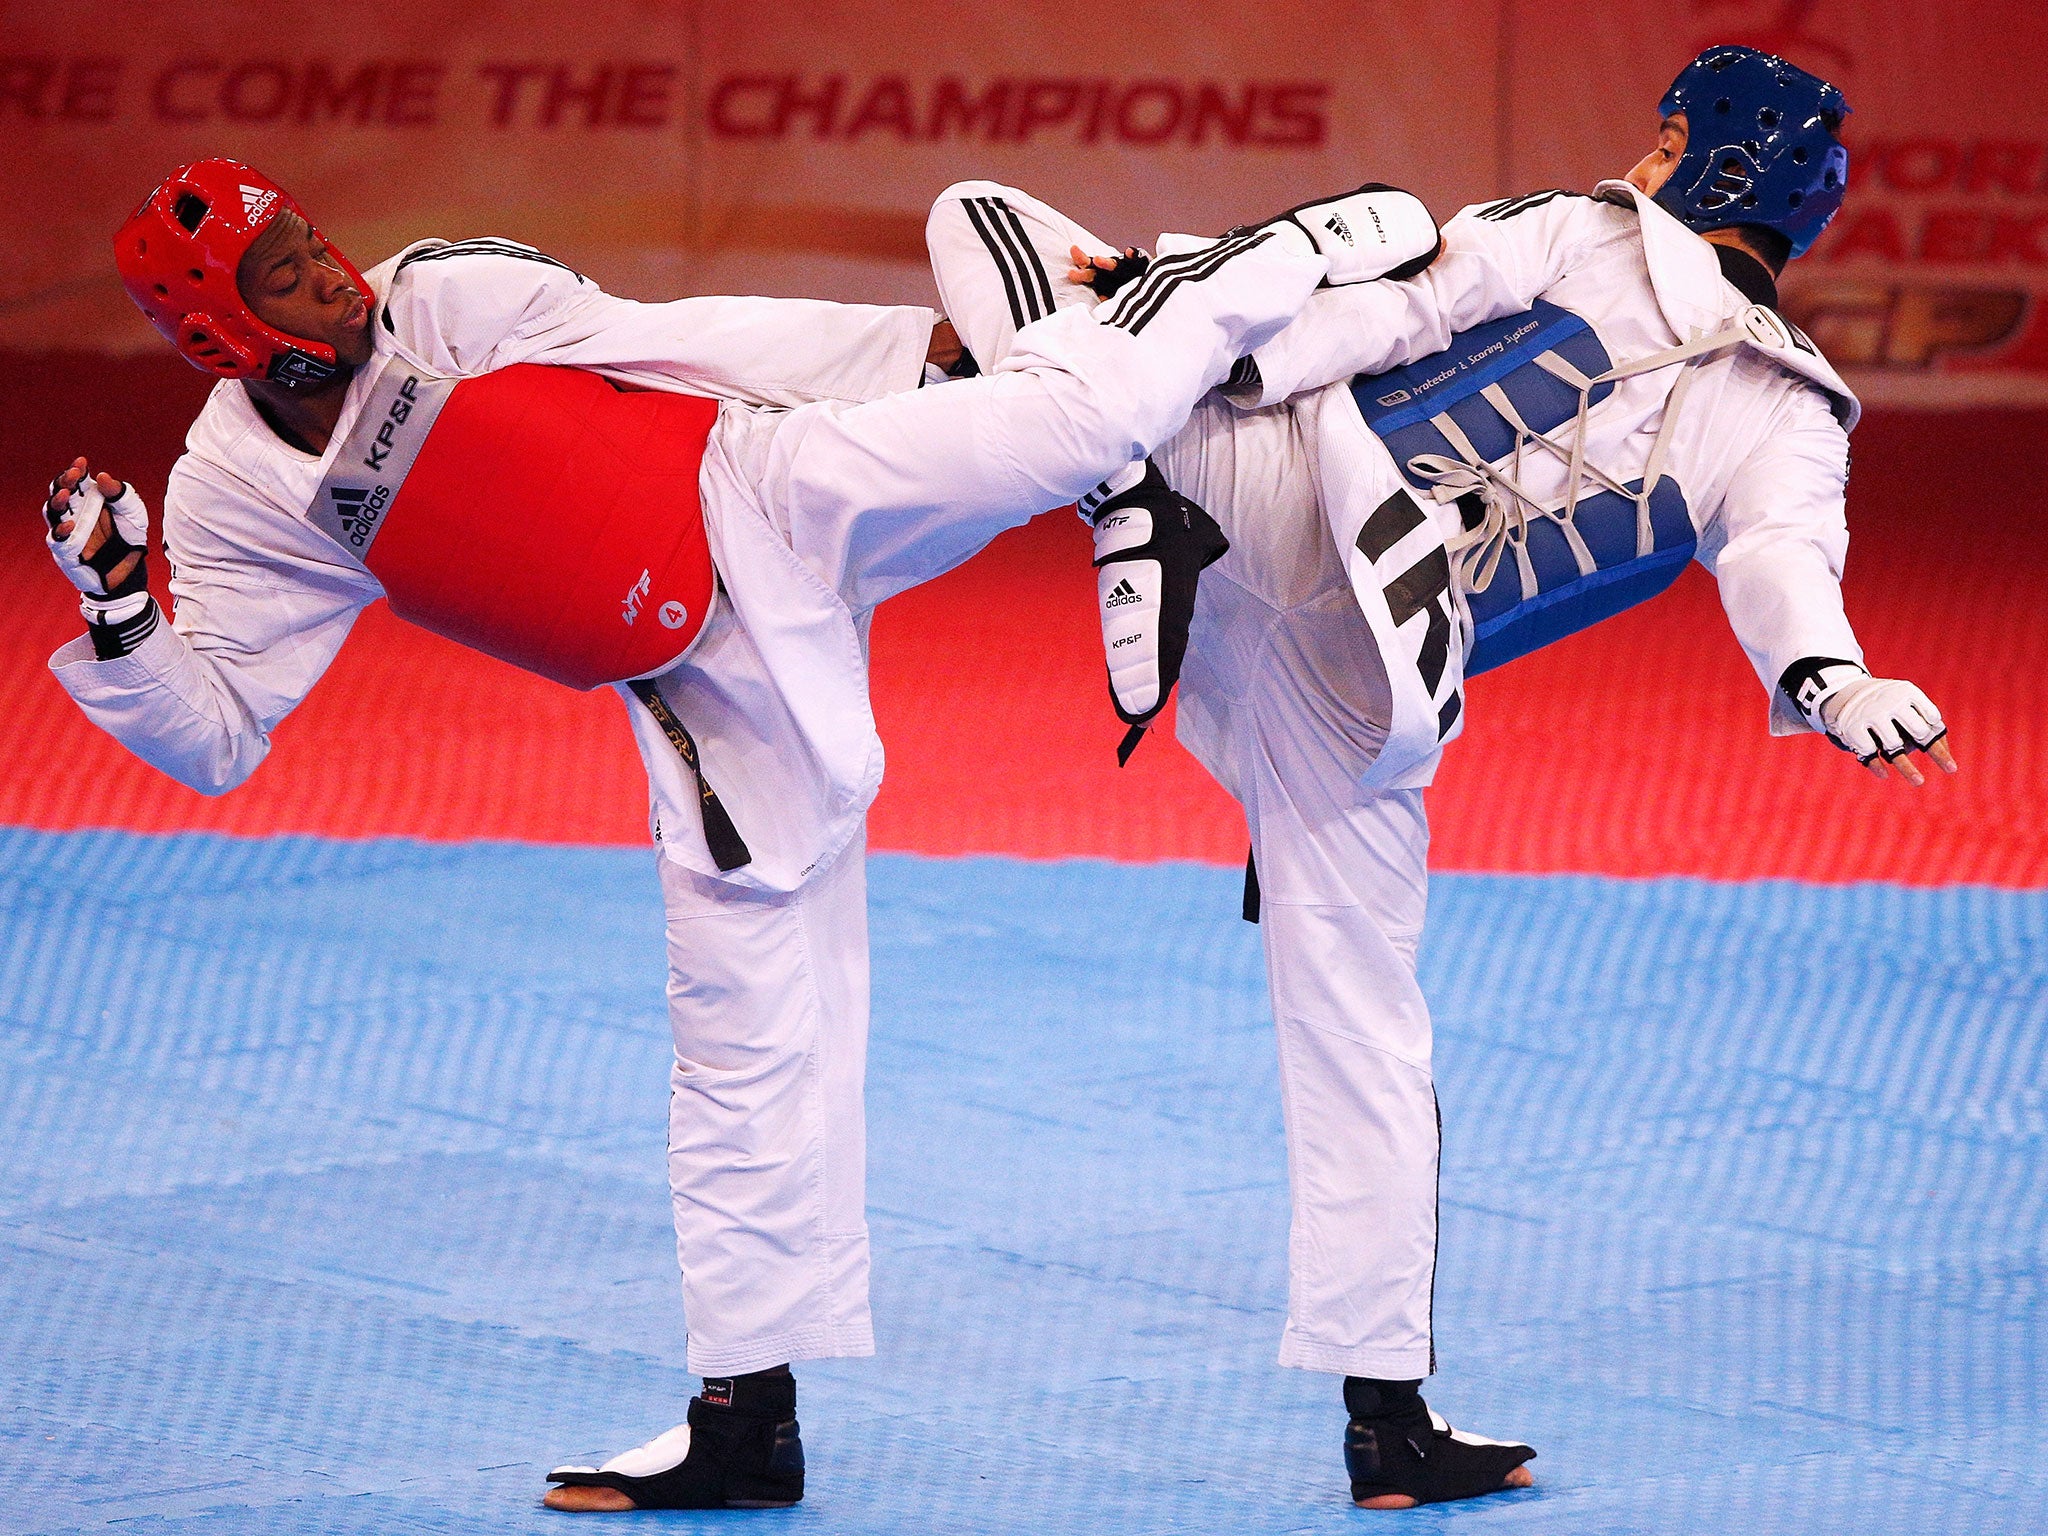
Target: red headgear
point(177, 256)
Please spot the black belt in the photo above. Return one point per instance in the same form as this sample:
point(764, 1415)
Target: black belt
point(728, 849)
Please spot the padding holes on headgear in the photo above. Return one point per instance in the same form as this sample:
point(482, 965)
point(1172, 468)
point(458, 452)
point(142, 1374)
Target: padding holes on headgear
point(1776, 141)
point(196, 275)
point(189, 209)
point(161, 291)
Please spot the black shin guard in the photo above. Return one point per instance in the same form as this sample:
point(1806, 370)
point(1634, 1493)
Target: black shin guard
point(742, 1451)
point(1151, 546)
point(1395, 1445)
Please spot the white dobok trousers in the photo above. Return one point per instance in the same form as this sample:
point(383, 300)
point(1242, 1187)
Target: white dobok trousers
point(768, 981)
point(767, 1139)
point(1284, 699)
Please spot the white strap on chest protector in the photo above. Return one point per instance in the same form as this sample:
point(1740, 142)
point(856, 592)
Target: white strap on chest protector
point(1476, 553)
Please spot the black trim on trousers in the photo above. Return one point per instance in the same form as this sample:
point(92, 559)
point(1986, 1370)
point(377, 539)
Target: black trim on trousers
point(1025, 283)
point(1141, 306)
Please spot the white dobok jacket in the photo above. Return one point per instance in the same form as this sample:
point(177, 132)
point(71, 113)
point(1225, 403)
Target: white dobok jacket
point(1749, 422)
point(776, 691)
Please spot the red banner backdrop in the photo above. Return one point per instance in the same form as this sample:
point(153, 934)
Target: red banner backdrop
point(672, 146)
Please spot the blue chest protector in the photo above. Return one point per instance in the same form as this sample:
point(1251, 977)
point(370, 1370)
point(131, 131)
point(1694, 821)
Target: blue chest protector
point(1493, 391)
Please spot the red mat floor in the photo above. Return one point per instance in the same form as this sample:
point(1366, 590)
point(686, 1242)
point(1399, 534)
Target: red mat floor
point(1635, 749)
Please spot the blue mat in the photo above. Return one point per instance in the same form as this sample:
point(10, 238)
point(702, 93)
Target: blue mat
point(331, 1200)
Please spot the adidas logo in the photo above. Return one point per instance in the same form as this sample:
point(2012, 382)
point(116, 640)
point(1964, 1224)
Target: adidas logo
point(358, 511)
point(255, 203)
point(348, 505)
point(1334, 224)
point(1122, 595)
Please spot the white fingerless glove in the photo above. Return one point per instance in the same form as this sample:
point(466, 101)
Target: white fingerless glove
point(101, 603)
point(1870, 716)
point(118, 618)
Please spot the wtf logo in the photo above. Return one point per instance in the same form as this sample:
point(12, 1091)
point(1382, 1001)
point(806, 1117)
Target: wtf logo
point(635, 594)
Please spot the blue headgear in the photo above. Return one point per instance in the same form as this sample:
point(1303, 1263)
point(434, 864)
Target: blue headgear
point(1761, 146)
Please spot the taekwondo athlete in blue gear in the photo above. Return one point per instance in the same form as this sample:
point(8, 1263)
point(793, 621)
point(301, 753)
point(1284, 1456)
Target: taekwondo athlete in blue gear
point(1611, 392)
point(1582, 394)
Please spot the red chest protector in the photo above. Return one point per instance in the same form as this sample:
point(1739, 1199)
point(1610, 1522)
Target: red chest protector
point(544, 516)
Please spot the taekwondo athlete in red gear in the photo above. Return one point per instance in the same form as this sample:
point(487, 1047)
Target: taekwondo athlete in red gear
point(1422, 478)
point(400, 432)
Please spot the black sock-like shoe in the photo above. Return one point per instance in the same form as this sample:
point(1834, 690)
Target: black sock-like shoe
point(740, 1449)
point(1396, 1445)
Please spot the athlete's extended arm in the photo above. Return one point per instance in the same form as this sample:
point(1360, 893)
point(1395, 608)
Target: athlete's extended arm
point(774, 352)
point(1776, 548)
point(480, 305)
point(1491, 265)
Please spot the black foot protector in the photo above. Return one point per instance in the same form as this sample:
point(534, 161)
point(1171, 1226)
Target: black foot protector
point(1151, 546)
point(739, 1450)
point(1395, 1446)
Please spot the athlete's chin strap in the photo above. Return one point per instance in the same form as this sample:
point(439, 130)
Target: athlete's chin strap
point(1476, 553)
point(299, 369)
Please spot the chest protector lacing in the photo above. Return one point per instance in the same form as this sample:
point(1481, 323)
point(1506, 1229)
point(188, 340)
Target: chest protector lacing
point(1521, 386)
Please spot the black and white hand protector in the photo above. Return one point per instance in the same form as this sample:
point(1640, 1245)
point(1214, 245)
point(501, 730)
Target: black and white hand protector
point(1872, 717)
point(129, 536)
point(1151, 546)
point(1377, 231)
